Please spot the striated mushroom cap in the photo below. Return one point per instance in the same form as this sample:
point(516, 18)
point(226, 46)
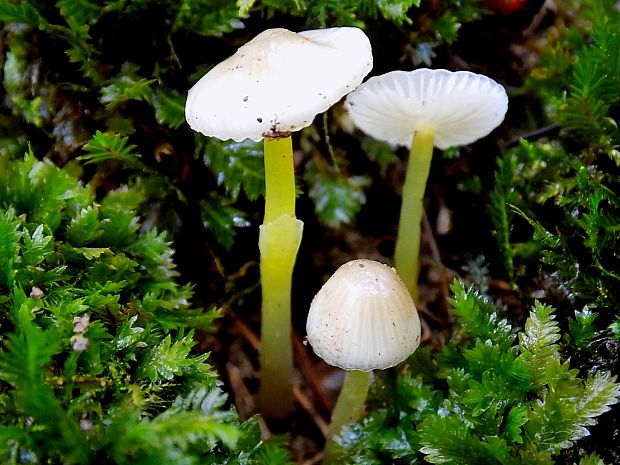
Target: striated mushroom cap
point(278, 82)
point(363, 318)
point(460, 106)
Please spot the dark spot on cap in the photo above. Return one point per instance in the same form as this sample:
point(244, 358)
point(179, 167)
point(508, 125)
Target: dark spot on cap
point(245, 99)
point(260, 120)
point(361, 265)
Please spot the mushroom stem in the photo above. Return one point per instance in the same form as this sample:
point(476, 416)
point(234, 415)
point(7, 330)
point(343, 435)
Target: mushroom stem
point(279, 239)
point(279, 178)
point(349, 407)
point(407, 249)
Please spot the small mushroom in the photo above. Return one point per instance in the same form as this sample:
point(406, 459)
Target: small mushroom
point(278, 82)
point(421, 109)
point(362, 319)
point(274, 85)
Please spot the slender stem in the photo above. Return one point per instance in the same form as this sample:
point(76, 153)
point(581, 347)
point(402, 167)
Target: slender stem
point(407, 251)
point(349, 407)
point(279, 178)
point(279, 239)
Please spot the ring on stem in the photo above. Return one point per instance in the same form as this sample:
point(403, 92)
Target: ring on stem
point(279, 240)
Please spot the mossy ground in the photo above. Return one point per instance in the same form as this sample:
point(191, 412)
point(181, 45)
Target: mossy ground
point(98, 88)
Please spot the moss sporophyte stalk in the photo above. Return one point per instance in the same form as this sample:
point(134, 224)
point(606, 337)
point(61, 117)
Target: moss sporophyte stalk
point(272, 86)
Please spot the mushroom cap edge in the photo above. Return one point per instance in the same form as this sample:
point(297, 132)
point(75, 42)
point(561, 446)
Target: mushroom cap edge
point(363, 318)
point(460, 106)
point(278, 82)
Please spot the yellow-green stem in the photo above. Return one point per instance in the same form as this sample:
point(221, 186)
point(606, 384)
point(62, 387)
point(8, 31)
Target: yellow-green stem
point(349, 407)
point(279, 178)
point(279, 239)
point(407, 251)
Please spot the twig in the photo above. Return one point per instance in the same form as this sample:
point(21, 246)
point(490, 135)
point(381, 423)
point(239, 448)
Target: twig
point(501, 285)
point(243, 399)
point(310, 373)
point(313, 460)
point(428, 315)
point(306, 404)
point(549, 130)
point(245, 331)
point(427, 334)
point(241, 272)
point(243, 292)
point(302, 399)
point(443, 283)
point(328, 142)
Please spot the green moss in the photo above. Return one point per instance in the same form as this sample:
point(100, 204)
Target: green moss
point(566, 190)
point(96, 359)
point(489, 397)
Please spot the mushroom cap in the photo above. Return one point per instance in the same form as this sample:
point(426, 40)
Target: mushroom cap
point(278, 82)
point(460, 106)
point(363, 318)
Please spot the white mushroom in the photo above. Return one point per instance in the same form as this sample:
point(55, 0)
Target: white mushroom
point(362, 319)
point(273, 85)
point(421, 109)
point(278, 82)
point(461, 107)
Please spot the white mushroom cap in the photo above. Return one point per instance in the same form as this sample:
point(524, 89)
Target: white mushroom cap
point(363, 318)
point(460, 106)
point(278, 82)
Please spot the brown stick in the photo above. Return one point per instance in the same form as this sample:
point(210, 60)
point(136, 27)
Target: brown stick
point(302, 399)
point(310, 373)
